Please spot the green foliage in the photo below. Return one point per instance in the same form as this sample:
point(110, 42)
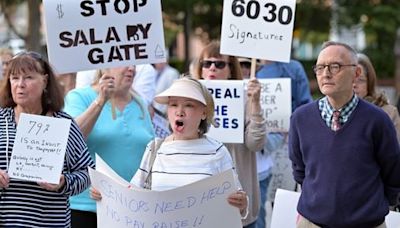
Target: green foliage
point(312, 21)
point(308, 64)
point(178, 64)
point(204, 14)
point(380, 20)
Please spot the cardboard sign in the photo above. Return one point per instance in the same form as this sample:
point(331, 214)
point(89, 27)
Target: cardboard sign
point(200, 204)
point(85, 35)
point(285, 214)
point(276, 102)
point(229, 110)
point(259, 29)
point(160, 124)
point(39, 148)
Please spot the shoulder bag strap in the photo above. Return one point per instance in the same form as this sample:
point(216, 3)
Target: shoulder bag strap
point(154, 148)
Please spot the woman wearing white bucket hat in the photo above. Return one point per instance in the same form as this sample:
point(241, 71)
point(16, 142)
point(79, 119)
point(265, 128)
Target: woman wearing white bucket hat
point(190, 113)
point(212, 65)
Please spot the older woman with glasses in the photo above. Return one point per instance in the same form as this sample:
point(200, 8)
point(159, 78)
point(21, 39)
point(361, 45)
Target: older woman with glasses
point(30, 87)
point(365, 87)
point(212, 65)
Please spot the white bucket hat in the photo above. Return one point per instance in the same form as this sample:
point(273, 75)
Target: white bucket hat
point(182, 88)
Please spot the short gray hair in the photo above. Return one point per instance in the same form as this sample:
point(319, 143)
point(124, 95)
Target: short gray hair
point(351, 50)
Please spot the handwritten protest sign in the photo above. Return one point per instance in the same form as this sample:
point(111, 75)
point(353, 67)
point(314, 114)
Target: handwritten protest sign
point(276, 102)
point(281, 172)
point(260, 29)
point(229, 110)
point(39, 148)
point(201, 204)
point(101, 34)
point(160, 124)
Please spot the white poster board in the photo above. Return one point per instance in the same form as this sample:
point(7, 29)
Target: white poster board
point(284, 214)
point(39, 148)
point(276, 103)
point(260, 29)
point(161, 125)
point(281, 172)
point(85, 35)
point(229, 110)
point(201, 204)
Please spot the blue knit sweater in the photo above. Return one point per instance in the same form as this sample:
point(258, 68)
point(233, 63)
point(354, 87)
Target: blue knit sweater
point(348, 177)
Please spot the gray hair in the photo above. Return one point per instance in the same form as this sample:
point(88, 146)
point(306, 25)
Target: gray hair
point(352, 52)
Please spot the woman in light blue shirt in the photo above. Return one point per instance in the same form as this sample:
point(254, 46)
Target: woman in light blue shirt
point(117, 127)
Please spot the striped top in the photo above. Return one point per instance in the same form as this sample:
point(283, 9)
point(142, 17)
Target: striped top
point(26, 204)
point(182, 162)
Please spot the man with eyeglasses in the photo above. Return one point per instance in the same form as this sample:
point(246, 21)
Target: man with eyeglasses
point(344, 151)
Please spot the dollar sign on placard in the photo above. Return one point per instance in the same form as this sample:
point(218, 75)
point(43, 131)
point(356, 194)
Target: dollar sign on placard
point(60, 12)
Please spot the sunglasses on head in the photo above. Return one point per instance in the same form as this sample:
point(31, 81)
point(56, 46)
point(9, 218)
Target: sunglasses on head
point(31, 54)
point(218, 64)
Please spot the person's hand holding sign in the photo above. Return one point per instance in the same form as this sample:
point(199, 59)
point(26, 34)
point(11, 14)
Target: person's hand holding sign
point(239, 199)
point(4, 179)
point(53, 187)
point(253, 94)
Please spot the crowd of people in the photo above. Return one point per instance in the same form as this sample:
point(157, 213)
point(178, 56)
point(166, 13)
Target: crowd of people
point(343, 147)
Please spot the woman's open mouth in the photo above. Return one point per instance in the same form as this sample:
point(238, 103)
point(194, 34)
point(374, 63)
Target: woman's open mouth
point(179, 125)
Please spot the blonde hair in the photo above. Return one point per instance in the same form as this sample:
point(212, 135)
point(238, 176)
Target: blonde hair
point(6, 51)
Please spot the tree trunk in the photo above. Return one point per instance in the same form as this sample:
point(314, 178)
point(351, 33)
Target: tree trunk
point(33, 38)
point(187, 31)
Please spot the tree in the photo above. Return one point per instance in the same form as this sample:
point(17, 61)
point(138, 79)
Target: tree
point(193, 15)
point(32, 35)
point(380, 20)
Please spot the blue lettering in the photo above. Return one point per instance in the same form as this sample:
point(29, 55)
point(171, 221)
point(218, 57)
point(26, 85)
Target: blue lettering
point(164, 207)
point(214, 192)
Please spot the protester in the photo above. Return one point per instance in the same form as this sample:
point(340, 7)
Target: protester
point(245, 66)
point(143, 83)
point(117, 126)
point(30, 87)
point(300, 92)
point(365, 87)
point(214, 66)
point(293, 70)
point(5, 57)
point(264, 157)
point(344, 150)
point(187, 155)
point(67, 81)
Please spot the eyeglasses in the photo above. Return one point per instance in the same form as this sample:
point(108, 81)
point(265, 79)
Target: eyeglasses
point(218, 64)
point(333, 68)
